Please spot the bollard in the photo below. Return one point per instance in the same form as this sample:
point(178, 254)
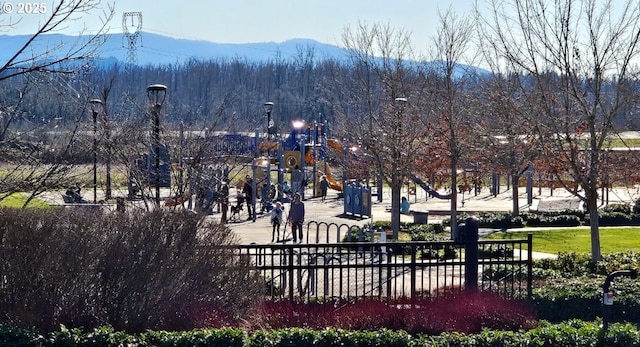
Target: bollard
point(607, 297)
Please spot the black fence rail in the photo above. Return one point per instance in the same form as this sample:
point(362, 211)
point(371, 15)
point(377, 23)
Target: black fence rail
point(392, 270)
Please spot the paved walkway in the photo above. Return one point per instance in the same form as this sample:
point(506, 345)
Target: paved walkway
point(331, 210)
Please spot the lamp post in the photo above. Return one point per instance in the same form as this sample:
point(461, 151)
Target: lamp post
point(94, 113)
point(298, 125)
point(268, 106)
point(156, 94)
point(315, 156)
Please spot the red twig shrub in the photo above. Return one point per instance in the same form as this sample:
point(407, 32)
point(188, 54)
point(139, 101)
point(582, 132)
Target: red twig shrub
point(466, 312)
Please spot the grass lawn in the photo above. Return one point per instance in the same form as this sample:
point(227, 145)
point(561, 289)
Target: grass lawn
point(577, 239)
point(17, 200)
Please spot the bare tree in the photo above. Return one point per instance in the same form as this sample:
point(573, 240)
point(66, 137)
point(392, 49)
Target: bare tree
point(382, 105)
point(506, 123)
point(53, 58)
point(455, 118)
point(49, 73)
point(577, 60)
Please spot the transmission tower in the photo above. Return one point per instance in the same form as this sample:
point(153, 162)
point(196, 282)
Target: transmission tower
point(131, 26)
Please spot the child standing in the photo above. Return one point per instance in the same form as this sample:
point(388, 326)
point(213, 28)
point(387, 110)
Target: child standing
point(276, 220)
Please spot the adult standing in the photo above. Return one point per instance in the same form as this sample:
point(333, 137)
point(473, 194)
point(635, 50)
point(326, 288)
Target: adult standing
point(247, 189)
point(296, 217)
point(324, 186)
point(224, 199)
point(276, 220)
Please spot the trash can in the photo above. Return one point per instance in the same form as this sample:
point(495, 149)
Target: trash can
point(420, 217)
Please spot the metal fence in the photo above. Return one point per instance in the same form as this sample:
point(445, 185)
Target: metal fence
point(392, 270)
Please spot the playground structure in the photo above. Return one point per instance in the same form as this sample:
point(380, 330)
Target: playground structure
point(270, 162)
point(305, 149)
point(428, 189)
point(194, 182)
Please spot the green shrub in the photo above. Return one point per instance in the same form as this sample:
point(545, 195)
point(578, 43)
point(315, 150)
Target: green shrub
point(495, 251)
point(441, 252)
point(576, 282)
point(382, 224)
point(578, 213)
point(618, 219)
point(617, 207)
point(568, 220)
point(636, 207)
point(500, 221)
point(569, 264)
point(617, 261)
point(359, 234)
point(428, 232)
point(572, 333)
point(492, 220)
point(564, 299)
point(501, 272)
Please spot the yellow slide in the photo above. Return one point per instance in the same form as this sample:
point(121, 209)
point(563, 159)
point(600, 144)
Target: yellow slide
point(333, 183)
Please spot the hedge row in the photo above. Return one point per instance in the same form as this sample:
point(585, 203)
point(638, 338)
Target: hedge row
point(568, 334)
point(570, 286)
point(495, 220)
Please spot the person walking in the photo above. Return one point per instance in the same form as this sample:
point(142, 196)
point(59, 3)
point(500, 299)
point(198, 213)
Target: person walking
point(296, 218)
point(276, 220)
point(324, 186)
point(247, 189)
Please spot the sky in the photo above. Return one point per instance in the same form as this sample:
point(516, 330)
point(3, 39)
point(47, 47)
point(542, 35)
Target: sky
point(249, 21)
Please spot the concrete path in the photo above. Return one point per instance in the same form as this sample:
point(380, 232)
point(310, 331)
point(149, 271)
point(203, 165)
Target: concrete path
point(331, 210)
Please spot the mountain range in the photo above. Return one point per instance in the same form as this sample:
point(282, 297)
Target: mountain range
point(154, 49)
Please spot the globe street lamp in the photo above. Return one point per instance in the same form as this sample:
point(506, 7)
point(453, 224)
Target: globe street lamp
point(268, 107)
point(298, 177)
point(94, 112)
point(156, 94)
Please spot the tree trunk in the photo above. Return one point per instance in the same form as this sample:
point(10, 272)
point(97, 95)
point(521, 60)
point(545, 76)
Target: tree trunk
point(594, 222)
point(454, 196)
point(514, 195)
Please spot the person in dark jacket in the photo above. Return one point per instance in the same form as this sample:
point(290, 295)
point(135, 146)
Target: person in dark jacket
point(276, 220)
point(296, 217)
point(247, 189)
point(324, 186)
point(224, 199)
